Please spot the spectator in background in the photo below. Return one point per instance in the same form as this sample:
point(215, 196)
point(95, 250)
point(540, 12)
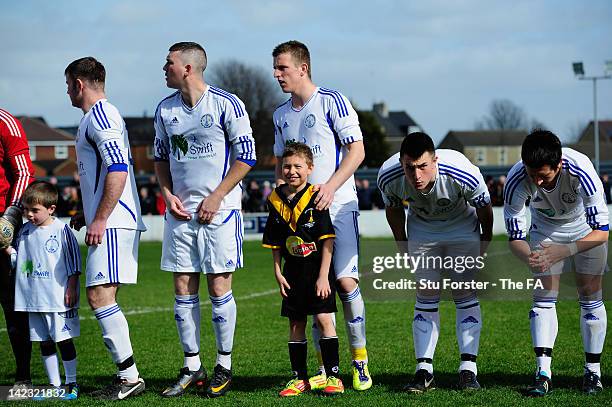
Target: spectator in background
point(606, 187)
point(147, 203)
point(160, 204)
point(499, 190)
point(255, 198)
point(267, 190)
point(364, 195)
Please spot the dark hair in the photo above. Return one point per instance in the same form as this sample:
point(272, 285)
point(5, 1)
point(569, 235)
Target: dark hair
point(88, 69)
point(540, 148)
point(416, 144)
point(300, 149)
point(40, 193)
point(194, 48)
point(298, 51)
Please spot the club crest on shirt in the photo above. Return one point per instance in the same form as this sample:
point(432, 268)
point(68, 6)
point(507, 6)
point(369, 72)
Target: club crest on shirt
point(207, 121)
point(310, 120)
point(568, 198)
point(311, 221)
point(298, 247)
point(52, 244)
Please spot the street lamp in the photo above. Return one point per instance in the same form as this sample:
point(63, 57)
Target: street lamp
point(579, 72)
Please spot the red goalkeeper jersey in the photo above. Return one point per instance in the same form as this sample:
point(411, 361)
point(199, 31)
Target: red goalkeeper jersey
point(16, 171)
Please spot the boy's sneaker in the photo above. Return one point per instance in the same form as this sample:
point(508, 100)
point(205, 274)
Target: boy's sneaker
point(72, 392)
point(423, 381)
point(333, 386)
point(591, 383)
point(120, 389)
point(220, 382)
point(318, 382)
point(542, 385)
point(467, 380)
point(295, 387)
point(361, 375)
point(185, 378)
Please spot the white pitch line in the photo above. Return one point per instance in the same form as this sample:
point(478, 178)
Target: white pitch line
point(150, 310)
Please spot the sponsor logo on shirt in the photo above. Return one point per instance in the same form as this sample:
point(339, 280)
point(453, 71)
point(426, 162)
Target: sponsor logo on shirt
point(547, 211)
point(52, 244)
point(299, 248)
point(179, 144)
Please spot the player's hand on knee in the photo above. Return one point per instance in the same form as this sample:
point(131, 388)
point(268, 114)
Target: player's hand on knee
point(77, 221)
point(322, 287)
point(176, 208)
point(325, 197)
point(208, 208)
point(282, 284)
point(95, 233)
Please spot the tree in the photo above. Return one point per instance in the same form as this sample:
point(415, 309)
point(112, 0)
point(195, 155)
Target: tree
point(374, 140)
point(256, 88)
point(506, 115)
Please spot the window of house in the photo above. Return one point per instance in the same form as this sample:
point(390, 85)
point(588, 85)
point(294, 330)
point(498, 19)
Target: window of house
point(61, 152)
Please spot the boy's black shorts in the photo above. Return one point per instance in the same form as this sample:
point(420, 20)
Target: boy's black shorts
point(302, 297)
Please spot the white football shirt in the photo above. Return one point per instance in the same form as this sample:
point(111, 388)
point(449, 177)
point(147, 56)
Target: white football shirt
point(458, 188)
point(326, 123)
point(577, 197)
point(202, 143)
point(102, 146)
point(46, 257)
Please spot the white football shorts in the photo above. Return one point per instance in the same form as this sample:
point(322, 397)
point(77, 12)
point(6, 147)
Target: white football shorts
point(190, 247)
point(115, 261)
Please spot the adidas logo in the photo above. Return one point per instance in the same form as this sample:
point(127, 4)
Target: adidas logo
point(285, 125)
point(420, 317)
point(354, 270)
point(533, 314)
point(356, 320)
point(219, 319)
point(177, 317)
point(66, 328)
point(470, 320)
point(537, 199)
point(100, 276)
point(230, 263)
point(591, 317)
point(174, 121)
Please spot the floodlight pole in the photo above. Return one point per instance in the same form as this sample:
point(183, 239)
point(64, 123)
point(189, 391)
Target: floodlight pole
point(595, 123)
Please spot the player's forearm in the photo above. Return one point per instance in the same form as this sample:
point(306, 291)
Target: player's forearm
point(236, 173)
point(162, 172)
point(349, 164)
point(396, 218)
point(114, 183)
point(521, 249)
point(593, 239)
point(326, 257)
point(485, 217)
point(276, 257)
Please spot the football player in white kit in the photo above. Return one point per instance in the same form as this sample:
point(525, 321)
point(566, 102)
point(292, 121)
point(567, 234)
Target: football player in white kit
point(324, 120)
point(111, 212)
point(449, 204)
point(569, 219)
point(203, 149)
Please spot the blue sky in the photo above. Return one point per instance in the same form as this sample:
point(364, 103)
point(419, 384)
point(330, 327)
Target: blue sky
point(441, 61)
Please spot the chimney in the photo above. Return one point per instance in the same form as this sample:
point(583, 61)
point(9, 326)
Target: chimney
point(382, 109)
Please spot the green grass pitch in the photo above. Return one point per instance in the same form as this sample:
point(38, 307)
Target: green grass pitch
point(261, 365)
